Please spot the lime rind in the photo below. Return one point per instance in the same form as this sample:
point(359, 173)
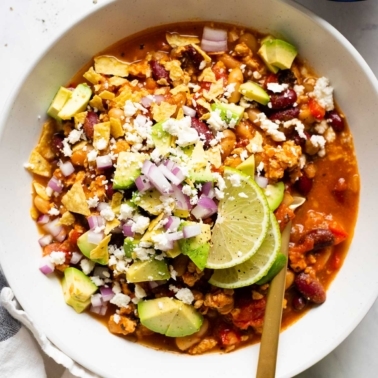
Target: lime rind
point(242, 223)
point(256, 267)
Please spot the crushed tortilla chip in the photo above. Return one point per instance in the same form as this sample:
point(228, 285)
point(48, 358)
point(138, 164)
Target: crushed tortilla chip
point(207, 75)
point(111, 225)
point(204, 104)
point(213, 156)
point(79, 119)
point(106, 95)
point(41, 190)
point(180, 114)
point(161, 91)
point(67, 219)
point(101, 135)
point(34, 213)
point(116, 202)
point(93, 77)
point(38, 164)
point(44, 145)
point(180, 88)
point(174, 68)
point(116, 129)
point(96, 102)
point(117, 81)
point(140, 69)
point(178, 40)
point(110, 65)
point(75, 201)
point(101, 251)
point(205, 57)
point(162, 81)
point(216, 89)
point(163, 111)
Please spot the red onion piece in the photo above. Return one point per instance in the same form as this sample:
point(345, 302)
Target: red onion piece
point(103, 310)
point(172, 224)
point(147, 101)
point(43, 219)
point(46, 266)
point(127, 230)
point(189, 111)
point(61, 236)
point(146, 166)
point(173, 236)
point(214, 34)
point(67, 168)
point(158, 180)
point(178, 173)
point(261, 181)
point(104, 162)
point(95, 221)
point(55, 184)
point(54, 228)
point(169, 175)
point(107, 293)
point(154, 284)
point(95, 237)
point(75, 258)
point(169, 164)
point(143, 183)
point(182, 200)
point(214, 46)
point(96, 300)
point(205, 208)
point(208, 189)
point(191, 230)
point(95, 310)
point(45, 240)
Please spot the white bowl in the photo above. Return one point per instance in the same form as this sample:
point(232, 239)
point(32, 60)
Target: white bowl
point(86, 340)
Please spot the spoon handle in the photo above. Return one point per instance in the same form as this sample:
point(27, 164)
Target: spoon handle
point(266, 367)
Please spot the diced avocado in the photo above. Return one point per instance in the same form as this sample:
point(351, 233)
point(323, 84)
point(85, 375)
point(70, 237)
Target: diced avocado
point(128, 169)
point(161, 138)
point(97, 253)
point(204, 175)
point(274, 194)
point(278, 53)
point(253, 91)
point(150, 270)
point(175, 251)
point(199, 168)
point(197, 248)
point(263, 54)
point(61, 97)
point(129, 245)
point(278, 264)
point(169, 317)
point(248, 166)
point(266, 39)
point(230, 113)
point(77, 289)
point(149, 201)
point(77, 102)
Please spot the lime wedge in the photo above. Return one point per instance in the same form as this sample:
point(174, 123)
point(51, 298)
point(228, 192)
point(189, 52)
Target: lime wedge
point(254, 268)
point(242, 223)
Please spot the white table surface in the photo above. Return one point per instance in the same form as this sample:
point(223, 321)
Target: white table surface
point(26, 26)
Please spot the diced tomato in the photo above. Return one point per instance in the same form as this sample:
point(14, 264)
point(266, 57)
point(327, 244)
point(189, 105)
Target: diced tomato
point(284, 215)
point(249, 314)
point(272, 78)
point(339, 233)
point(335, 261)
point(73, 236)
point(220, 73)
point(205, 85)
point(317, 111)
point(228, 335)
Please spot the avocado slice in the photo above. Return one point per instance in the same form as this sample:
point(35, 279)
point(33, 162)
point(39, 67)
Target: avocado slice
point(253, 91)
point(77, 289)
point(60, 99)
point(229, 113)
point(175, 251)
point(248, 166)
point(128, 169)
point(197, 248)
point(77, 102)
point(169, 317)
point(148, 201)
point(274, 194)
point(264, 56)
point(278, 53)
point(199, 168)
point(128, 246)
point(150, 270)
point(161, 138)
point(96, 252)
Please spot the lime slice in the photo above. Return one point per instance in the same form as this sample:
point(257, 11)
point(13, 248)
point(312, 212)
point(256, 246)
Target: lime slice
point(242, 223)
point(254, 268)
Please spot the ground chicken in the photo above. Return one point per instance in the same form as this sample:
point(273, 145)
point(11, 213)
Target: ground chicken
point(124, 326)
point(242, 50)
point(205, 345)
point(192, 275)
point(221, 300)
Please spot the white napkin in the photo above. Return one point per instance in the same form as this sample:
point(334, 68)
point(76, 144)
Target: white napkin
point(19, 354)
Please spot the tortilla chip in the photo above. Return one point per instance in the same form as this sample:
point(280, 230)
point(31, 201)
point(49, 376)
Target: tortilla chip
point(41, 190)
point(67, 219)
point(177, 40)
point(204, 103)
point(106, 95)
point(101, 135)
point(163, 111)
point(111, 226)
point(207, 75)
point(110, 65)
point(216, 89)
point(205, 57)
point(126, 94)
point(96, 102)
point(38, 164)
point(180, 114)
point(116, 202)
point(117, 81)
point(174, 68)
point(213, 156)
point(75, 201)
point(79, 119)
point(44, 145)
point(93, 77)
point(101, 251)
point(180, 88)
point(116, 129)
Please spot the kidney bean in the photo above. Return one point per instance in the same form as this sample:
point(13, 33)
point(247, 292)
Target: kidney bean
point(310, 288)
point(284, 115)
point(334, 119)
point(158, 71)
point(202, 129)
point(57, 143)
point(322, 238)
point(304, 185)
point(90, 121)
point(194, 55)
point(301, 141)
point(298, 302)
point(109, 190)
point(283, 100)
point(286, 77)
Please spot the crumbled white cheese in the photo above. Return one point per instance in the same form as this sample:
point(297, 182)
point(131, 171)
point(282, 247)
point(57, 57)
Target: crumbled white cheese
point(74, 136)
point(107, 214)
point(256, 75)
point(141, 224)
point(139, 292)
point(323, 93)
point(100, 144)
point(185, 295)
point(116, 318)
point(126, 211)
point(330, 135)
point(187, 190)
point(321, 127)
point(299, 90)
point(116, 287)
point(93, 202)
point(182, 129)
point(242, 195)
point(97, 280)
point(91, 155)
point(215, 121)
point(130, 109)
point(271, 128)
point(172, 272)
point(276, 87)
point(120, 300)
point(86, 266)
point(160, 241)
point(54, 211)
point(143, 254)
point(57, 258)
point(299, 126)
point(235, 180)
point(67, 151)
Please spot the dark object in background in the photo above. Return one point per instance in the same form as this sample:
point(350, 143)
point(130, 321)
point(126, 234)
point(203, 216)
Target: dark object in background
point(346, 1)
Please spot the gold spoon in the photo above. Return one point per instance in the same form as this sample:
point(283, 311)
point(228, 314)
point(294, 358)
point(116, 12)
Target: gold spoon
point(266, 367)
